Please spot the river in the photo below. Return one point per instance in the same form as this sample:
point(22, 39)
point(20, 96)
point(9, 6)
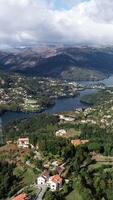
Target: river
point(62, 104)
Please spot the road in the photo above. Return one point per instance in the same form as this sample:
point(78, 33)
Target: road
point(43, 189)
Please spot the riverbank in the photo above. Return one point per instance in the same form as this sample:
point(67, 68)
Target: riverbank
point(61, 105)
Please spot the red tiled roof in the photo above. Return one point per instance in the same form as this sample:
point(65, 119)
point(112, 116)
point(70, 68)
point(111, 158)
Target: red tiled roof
point(22, 196)
point(56, 179)
point(78, 142)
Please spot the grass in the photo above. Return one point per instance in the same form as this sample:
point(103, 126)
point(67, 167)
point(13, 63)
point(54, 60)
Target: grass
point(74, 195)
point(108, 170)
point(72, 132)
point(95, 166)
point(28, 175)
point(19, 171)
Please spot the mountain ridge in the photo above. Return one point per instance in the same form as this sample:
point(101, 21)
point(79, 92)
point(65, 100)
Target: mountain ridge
point(70, 63)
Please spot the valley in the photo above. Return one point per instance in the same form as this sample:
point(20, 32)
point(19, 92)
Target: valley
point(82, 139)
point(56, 100)
point(56, 131)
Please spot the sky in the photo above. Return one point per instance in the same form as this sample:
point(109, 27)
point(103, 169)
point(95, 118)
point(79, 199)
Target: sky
point(67, 21)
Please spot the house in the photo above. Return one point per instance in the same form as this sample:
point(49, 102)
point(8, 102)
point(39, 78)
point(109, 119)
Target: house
point(76, 142)
point(79, 142)
point(68, 119)
point(41, 180)
point(21, 196)
point(23, 142)
point(55, 163)
point(55, 182)
point(61, 133)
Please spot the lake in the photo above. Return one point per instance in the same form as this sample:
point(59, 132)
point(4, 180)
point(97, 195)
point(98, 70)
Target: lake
point(62, 104)
point(108, 82)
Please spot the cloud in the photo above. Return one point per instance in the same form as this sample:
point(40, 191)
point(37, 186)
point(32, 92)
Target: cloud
point(30, 21)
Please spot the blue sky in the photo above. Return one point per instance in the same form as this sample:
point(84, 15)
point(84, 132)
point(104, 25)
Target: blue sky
point(61, 5)
point(64, 4)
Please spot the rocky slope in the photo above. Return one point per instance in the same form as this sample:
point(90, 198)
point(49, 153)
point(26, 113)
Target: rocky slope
point(71, 63)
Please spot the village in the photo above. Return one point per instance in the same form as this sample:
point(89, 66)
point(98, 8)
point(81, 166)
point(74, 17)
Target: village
point(28, 93)
point(50, 172)
point(46, 180)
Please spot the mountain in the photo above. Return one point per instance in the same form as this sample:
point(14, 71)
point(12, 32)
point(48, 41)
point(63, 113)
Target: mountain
point(70, 63)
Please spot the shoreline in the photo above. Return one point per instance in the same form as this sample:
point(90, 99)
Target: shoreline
point(43, 109)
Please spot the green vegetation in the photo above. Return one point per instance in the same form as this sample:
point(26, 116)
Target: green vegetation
point(71, 63)
point(97, 98)
point(31, 94)
point(28, 175)
point(9, 183)
point(74, 195)
point(89, 167)
point(81, 168)
point(82, 74)
point(41, 130)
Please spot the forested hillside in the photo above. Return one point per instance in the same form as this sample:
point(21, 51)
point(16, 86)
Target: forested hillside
point(71, 63)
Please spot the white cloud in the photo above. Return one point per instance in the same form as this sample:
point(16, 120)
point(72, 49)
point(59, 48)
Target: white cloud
point(30, 21)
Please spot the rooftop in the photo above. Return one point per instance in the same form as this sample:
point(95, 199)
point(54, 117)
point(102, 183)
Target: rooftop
point(56, 178)
point(78, 142)
point(23, 139)
point(22, 196)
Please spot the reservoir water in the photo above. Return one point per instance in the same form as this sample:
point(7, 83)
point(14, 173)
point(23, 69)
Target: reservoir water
point(62, 104)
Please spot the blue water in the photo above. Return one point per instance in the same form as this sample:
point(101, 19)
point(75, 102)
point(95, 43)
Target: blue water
point(108, 82)
point(71, 103)
point(63, 104)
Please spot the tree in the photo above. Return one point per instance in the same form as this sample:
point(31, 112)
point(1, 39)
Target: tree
point(9, 183)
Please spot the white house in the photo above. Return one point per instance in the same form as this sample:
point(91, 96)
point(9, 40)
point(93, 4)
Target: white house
point(41, 180)
point(55, 182)
point(23, 142)
point(61, 133)
point(68, 119)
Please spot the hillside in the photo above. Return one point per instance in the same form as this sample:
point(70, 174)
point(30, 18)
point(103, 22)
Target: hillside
point(88, 168)
point(70, 63)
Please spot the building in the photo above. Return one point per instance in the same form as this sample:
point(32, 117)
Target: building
point(79, 142)
point(21, 196)
point(41, 180)
point(68, 119)
point(55, 182)
point(61, 133)
point(23, 142)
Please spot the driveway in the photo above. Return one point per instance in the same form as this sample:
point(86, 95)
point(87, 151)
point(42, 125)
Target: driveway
point(43, 189)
